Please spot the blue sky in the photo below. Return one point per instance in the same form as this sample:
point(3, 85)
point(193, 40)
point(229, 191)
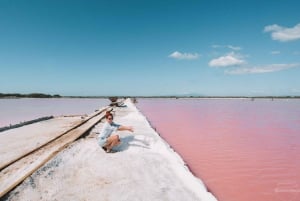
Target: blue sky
point(150, 47)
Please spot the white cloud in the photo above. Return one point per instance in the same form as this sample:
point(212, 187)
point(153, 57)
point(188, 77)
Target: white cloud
point(261, 69)
point(186, 56)
point(235, 48)
point(283, 34)
point(275, 52)
point(230, 59)
point(216, 46)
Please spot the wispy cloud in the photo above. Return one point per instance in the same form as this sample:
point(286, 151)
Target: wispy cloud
point(235, 48)
point(296, 53)
point(283, 34)
point(216, 46)
point(294, 90)
point(230, 59)
point(258, 91)
point(275, 52)
point(185, 56)
point(261, 69)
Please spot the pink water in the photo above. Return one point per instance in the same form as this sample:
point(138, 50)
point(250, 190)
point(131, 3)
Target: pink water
point(243, 150)
point(14, 111)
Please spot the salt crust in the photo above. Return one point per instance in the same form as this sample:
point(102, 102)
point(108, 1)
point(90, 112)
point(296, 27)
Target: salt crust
point(144, 168)
point(27, 138)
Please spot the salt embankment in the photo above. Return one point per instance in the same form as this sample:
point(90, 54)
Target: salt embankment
point(144, 168)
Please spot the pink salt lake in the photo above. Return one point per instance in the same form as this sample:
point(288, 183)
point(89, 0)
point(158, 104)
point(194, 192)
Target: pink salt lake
point(243, 150)
point(14, 111)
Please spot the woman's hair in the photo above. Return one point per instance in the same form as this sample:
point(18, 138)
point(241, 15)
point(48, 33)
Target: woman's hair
point(108, 114)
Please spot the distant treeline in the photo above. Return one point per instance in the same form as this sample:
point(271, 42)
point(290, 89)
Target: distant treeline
point(32, 95)
point(114, 98)
point(251, 97)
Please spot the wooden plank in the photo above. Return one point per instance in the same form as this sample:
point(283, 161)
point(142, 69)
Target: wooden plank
point(16, 144)
point(14, 174)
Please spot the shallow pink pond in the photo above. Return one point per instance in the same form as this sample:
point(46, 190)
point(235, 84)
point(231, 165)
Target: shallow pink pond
point(243, 150)
point(14, 111)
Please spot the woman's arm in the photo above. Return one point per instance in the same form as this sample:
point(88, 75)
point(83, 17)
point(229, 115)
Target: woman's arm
point(124, 128)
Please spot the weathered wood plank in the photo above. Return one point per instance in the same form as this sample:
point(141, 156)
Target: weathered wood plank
point(16, 143)
point(12, 175)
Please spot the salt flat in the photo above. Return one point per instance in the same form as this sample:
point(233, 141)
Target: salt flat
point(143, 168)
point(15, 143)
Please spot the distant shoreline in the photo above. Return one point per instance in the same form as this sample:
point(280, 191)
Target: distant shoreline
point(41, 95)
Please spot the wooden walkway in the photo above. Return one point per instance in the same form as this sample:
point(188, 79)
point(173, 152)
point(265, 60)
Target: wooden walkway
point(22, 153)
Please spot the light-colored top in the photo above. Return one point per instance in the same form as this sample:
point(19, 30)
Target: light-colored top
point(108, 129)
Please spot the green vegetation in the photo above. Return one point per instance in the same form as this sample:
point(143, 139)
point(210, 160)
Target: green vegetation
point(114, 98)
point(32, 95)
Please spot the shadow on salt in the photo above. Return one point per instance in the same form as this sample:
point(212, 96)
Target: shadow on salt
point(131, 141)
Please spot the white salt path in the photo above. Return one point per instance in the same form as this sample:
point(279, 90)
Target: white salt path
point(144, 168)
point(15, 143)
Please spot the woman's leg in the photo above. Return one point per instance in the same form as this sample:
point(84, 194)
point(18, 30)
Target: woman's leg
point(112, 141)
